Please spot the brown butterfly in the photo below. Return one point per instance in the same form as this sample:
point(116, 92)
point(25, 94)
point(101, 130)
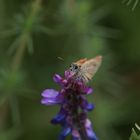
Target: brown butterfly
point(85, 69)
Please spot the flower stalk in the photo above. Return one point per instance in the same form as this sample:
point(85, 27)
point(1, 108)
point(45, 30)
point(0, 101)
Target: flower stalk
point(76, 119)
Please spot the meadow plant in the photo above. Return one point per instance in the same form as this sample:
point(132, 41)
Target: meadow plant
point(73, 107)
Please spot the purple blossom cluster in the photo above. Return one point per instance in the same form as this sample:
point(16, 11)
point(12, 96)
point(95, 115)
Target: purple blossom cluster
point(73, 107)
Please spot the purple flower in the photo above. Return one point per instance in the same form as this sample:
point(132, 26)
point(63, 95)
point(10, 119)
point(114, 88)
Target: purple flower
point(74, 107)
point(51, 97)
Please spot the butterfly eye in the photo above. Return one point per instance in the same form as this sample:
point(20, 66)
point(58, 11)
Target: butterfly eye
point(75, 67)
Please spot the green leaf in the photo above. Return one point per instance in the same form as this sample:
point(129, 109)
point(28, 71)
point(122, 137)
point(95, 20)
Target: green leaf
point(129, 2)
point(134, 135)
point(135, 4)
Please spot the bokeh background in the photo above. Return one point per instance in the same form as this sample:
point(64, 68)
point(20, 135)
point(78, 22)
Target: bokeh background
point(35, 34)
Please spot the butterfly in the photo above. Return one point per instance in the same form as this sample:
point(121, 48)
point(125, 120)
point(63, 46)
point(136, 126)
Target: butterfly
point(85, 69)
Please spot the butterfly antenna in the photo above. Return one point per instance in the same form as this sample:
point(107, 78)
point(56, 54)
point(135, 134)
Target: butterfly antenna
point(60, 58)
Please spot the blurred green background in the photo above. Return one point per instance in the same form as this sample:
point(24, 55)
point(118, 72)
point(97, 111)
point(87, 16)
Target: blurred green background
point(33, 34)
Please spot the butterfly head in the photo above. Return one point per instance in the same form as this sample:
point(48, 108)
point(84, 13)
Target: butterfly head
point(74, 68)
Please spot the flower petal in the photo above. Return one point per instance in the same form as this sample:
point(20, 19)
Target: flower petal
point(51, 97)
point(75, 138)
point(75, 135)
point(59, 118)
point(84, 89)
point(90, 106)
point(87, 90)
point(48, 101)
point(49, 93)
point(66, 130)
point(58, 79)
point(85, 105)
point(90, 133)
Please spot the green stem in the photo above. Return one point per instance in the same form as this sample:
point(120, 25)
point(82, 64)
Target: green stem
point(17, 59)
point(25, 34)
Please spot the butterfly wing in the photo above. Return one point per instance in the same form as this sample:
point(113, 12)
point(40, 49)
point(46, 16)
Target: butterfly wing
point(81, 61)
point(90, 67)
